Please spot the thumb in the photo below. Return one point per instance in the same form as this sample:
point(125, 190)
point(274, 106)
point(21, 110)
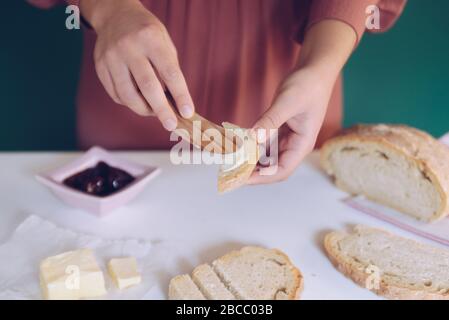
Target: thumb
point(278, 114)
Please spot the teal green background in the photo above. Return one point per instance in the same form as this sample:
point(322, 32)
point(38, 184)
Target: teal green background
point(398, 77)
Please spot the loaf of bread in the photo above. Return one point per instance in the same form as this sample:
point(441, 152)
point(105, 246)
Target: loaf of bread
point(397, 166)
point(389, 265)
point(252, 273)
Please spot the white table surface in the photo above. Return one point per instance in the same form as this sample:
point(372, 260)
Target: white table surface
point(182, 204)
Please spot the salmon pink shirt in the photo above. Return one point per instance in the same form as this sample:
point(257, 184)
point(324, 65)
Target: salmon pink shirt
point(233, 53)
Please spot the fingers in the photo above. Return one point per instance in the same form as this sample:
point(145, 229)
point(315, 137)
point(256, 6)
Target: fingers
point(286, 166)
point(152, 90)
point(129, 64)
point(271, 119)
point(124, 86)
point(294, 149)
point(106, 81)
point(279, 113)
point(170, 73)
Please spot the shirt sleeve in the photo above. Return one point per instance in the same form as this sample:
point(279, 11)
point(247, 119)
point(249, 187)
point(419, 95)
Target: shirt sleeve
point(354, 13)
point(48, 4)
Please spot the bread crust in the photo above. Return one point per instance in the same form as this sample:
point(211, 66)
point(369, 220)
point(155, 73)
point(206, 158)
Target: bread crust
point(356, 271)
point(428, 154)
point(299, 279)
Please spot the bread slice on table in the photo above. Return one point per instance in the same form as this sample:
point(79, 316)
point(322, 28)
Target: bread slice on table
point(260, 274)
point(252, 273)
point(182, 287)
point(398, 166)
point(389, 265)
point(236, 178)
point(210, 284)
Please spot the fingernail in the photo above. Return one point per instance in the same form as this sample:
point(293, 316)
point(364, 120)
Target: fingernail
point(186, 111)
point(169, 124)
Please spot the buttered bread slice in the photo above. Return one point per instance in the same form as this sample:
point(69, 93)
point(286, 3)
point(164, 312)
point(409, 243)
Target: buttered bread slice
point(252, 273)
point(238, 167)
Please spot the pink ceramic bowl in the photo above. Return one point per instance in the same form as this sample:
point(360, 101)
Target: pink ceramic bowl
point(99, 206)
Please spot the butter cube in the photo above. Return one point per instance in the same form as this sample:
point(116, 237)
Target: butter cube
point(124, 272)
point(71, 275)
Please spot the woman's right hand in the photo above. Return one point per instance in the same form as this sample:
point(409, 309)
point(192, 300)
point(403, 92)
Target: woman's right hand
point(135, 59)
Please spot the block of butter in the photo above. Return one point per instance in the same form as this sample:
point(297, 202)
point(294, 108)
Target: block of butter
point(123, 272)
point(71, 275)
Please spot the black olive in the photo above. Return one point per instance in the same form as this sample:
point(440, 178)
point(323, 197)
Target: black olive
point(118, 179)
point(101, 180)
point(95, 186)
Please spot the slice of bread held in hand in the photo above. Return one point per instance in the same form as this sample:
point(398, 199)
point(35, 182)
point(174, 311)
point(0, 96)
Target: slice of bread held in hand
point(238, 166)
point(389, 265)
point(398, 166)
point(252, 273)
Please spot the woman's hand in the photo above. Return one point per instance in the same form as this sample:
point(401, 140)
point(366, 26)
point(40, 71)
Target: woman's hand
point(298, 112)
point(301, 101)
point(135, 59)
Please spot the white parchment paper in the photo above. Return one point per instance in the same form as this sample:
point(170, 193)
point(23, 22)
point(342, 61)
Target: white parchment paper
point(36, 238)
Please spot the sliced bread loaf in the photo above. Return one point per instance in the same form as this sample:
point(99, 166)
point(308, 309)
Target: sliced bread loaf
point(258, 273)
point(251, 273)
point(210, 284)
point(182, 287)
point(397, 166)
point(389, 265)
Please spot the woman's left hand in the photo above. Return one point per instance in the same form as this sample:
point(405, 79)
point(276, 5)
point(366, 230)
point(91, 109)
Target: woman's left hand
point(298, 112)
point(301, 101)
